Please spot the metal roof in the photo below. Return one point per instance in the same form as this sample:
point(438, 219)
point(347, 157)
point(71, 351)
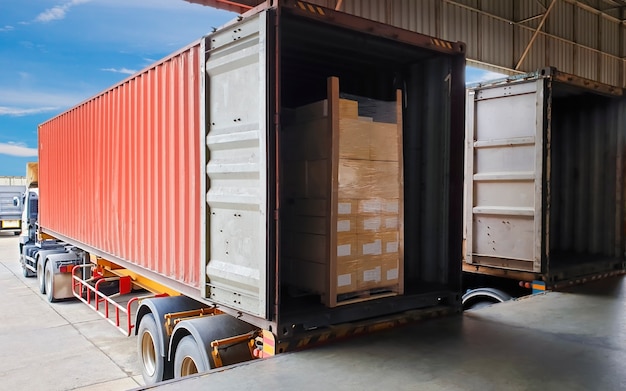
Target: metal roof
point(586, 38)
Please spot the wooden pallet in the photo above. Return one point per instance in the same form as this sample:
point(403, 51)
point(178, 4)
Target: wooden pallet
point(367, 294)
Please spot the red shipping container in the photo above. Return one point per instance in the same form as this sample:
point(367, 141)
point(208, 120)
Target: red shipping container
point(120, 173)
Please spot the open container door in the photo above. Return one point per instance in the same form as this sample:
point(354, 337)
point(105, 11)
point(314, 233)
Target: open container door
point(235, 160)
point(504, 169)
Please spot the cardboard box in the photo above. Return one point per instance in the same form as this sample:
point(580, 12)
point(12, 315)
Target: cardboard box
point(346, 224)
point(390, 271)
point(347, 277)
point(378, 243)
point(354, 178)
point(347, 248)
point(354, 139)
point(347, 207)
point(383, 142)
point(368, 223)
point(370, 206)
point(378, 272)
point(384, 179)
point(390, 206)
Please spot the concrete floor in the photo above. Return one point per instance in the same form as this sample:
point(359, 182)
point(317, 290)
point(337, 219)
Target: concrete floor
point(554, 341)
point(59, 346)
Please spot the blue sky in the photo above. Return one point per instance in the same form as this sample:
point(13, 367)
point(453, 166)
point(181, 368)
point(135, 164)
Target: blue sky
point(56, 53)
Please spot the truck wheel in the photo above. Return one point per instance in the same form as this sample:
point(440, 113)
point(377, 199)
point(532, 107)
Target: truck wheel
point(188, 359)
point(49, 282)
point(26, 272)
point(40, 276)
point(151, 358)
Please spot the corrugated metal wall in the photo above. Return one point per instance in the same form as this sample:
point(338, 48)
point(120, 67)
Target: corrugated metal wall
point(574, 38)
point(129, 161)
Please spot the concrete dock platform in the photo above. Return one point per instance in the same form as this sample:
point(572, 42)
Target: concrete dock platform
point(59, 346)
point(555, 341)
point(573, 340)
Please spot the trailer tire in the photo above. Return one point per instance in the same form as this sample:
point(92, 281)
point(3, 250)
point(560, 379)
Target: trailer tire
point(151, 358)
point(49, 281)
point(482, 297)
point(188, 358)
point(40, 277)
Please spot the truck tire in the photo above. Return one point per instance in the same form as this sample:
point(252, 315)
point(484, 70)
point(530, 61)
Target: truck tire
point(26, 272)
point(188, 359)
point(151, 358)
point(49, 282)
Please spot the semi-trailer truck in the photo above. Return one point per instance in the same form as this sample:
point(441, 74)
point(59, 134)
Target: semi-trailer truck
point(544, 187)
point(292, 177)
point(11, 190)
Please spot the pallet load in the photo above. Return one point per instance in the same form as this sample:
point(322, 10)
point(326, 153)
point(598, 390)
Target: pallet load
point(344, 198)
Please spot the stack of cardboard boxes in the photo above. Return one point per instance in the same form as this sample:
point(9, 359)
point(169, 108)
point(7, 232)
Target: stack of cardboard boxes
point(368, 201)
point(343, 213)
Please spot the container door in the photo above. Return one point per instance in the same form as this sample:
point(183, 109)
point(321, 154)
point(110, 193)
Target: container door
point(504, 158)
point(236, 166)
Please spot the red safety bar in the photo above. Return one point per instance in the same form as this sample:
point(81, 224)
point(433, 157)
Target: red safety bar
point(79, 285)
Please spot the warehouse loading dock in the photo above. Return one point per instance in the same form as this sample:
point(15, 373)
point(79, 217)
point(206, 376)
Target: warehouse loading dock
point(574, 340)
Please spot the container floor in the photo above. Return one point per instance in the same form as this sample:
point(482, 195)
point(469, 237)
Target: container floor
point(573, 340)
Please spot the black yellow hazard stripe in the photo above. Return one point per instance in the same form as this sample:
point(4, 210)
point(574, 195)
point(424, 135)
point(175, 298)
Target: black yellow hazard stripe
point(311, 8)
point(441, 43)
point(307, 339)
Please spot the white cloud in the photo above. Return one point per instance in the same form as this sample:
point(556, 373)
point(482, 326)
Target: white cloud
point(15, 149)
point(29, 99)
point(474, 75)
point(6, 28)
point(125, 71)
point(58, 12)
point(20, 112)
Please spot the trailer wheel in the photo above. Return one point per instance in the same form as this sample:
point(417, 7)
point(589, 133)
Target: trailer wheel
point(40, 277)
point(49, 281)
point(188, 358)
point(483, 297)
point(151, 358)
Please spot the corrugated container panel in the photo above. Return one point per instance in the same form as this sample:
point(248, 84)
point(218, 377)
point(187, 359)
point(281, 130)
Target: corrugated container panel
point(495, 40)
point(560, 21)
point(561, 55)
point(587, 138)
point(610, 70)
point(419, 16)
point(587, 63)
point(609, 33)
point(460, 24)
point(587, 32)
point(128, 160)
